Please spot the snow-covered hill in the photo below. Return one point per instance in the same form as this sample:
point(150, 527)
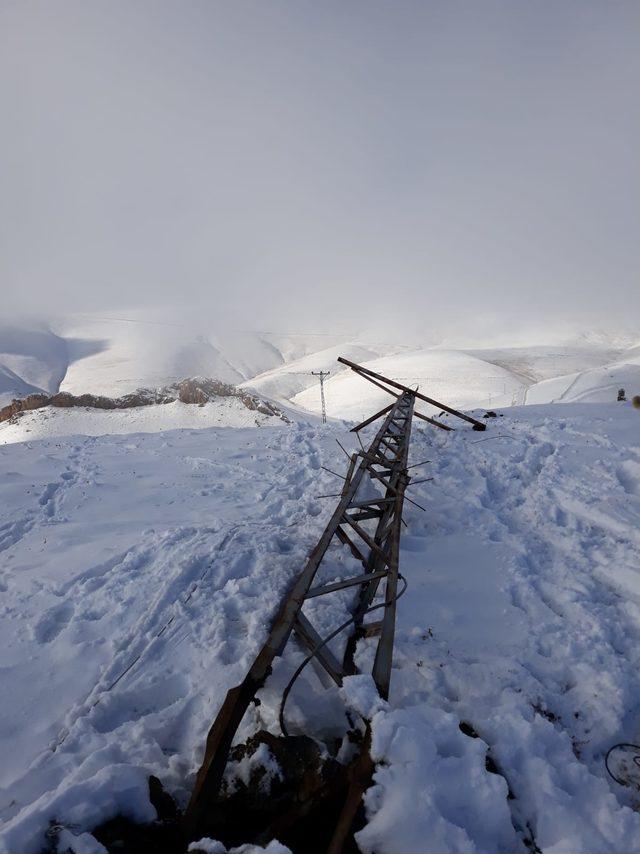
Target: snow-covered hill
point(598, 384)
point(140, 572)
point(115, 355)
point(49, 422)
point(486, 378)
point(292, 378)
point(32, 359)
point(13, 386)
point(133, 352)
point(450, 376)
point(541, 362)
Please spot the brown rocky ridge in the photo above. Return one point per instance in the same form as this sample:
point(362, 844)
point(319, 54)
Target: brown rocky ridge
point(196, 390)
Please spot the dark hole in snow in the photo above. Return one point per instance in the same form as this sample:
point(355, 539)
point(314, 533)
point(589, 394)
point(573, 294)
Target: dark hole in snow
point(467, 729)
point(545, 713)
point(299, 806)
point(163, 836)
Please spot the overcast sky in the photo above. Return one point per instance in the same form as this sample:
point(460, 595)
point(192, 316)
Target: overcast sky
point(301, 160)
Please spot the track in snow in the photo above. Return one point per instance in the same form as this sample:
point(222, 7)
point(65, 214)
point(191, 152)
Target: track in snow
point(522, 621)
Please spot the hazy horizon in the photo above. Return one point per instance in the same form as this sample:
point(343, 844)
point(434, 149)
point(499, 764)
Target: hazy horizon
point(364, 165)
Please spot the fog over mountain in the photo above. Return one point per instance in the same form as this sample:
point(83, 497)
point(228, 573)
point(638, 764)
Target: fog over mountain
point(364, 165)
point(218, 220)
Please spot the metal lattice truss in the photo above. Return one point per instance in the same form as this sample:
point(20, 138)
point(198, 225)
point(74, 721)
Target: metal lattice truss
point(385, 464)
point(370, 528)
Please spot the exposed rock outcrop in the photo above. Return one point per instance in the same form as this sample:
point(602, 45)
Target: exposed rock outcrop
point(196, 390)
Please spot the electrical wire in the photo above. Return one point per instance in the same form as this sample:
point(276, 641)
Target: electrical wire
point(489, 438)
point(636, 760)
point(314, 652)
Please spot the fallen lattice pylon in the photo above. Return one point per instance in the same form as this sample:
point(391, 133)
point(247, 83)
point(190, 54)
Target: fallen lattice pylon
point(370, 528)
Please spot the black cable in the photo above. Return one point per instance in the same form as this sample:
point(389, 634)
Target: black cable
point(315, 651)
point(488, 438)
point(636, 760)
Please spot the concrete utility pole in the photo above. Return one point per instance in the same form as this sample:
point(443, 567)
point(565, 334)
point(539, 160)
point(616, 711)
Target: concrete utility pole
point(322, 375)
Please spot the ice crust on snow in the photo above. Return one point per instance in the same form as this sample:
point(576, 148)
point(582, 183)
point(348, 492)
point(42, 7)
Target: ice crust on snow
point(139, 574)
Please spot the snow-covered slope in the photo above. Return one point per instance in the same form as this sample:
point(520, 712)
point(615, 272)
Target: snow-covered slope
point(139, 575)
point(487, 378)
point(114, 355)
point(49, 421)
point(290, 379)
point(594, 385)
point(142, 351)
point(32, 359)
point(536, 363)
point(450, 376)
point(115, 555)
point(129, 354)
point(12, 386)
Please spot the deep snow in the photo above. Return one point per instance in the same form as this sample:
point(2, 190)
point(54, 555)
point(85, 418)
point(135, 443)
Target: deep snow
point(51, 421)
point(139, 573)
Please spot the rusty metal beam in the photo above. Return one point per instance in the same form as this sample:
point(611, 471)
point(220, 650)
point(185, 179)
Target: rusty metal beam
point(372, 419)
point(365, 515)
point(371, 630)
point(378, 552)
point(360, 775)
point(237, 700)
point(384, 651)
point(371, 375)
point(388, 526)
point(375, 382)
point(312, 640)
point(432, 421)
point(370, 501)
point(347, 582)
point(346, 540)
point(347, 480)
point(365, 537)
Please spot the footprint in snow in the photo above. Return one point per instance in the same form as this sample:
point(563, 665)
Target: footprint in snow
point(48, 493)
point(52, 622)
point(131, 704)
point(628, 474)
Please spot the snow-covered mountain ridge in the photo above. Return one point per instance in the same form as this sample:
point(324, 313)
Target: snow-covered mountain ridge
point(191, 391)
point(114, 356)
